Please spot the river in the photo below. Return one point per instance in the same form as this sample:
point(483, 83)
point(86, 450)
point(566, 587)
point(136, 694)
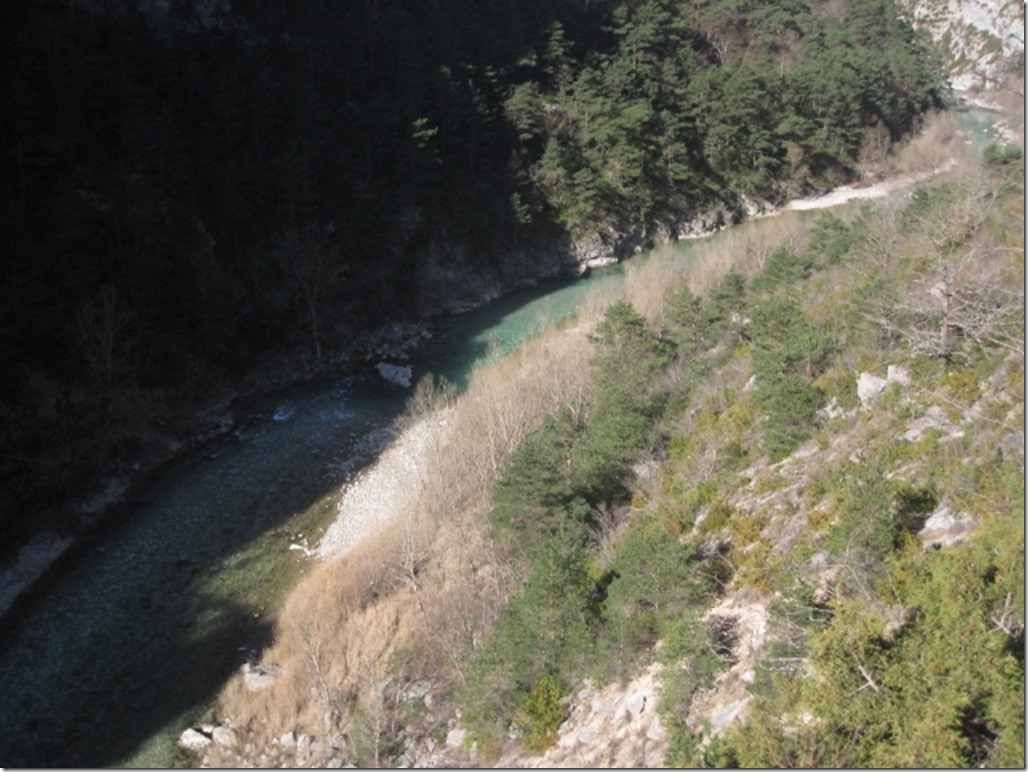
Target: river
point(130, 636)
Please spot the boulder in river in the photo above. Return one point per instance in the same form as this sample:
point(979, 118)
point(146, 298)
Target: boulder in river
point(398, 375)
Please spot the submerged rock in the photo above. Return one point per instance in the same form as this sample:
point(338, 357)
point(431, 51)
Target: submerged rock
point(398, 375)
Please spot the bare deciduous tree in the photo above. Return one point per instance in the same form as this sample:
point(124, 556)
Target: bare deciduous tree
point(958, 301)
point(962, 291)
point(102, 322)
point(312, 261)
point(312, 643)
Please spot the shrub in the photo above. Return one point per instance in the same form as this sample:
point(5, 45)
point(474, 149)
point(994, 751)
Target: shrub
point(784, 341)
point(864, 524)
point(746, 530)
point(831, 239)
point(938, 683)
point(718, 515)
point(547, 629)
point(791, 405)
point(628, 359)
point(431, 393)
point(1002, 155)
point(683, 320)
point(652, 572)
point(963, 385)
point(783, 267)
point(691, 665)
point(543, 713)
point(725, 306)
point(788, 353)
point(536, 494)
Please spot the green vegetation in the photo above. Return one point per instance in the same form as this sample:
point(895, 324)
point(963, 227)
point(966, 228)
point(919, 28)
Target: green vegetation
point(543, 713)
point(942, 688)
point(180, 206)
point(575, 615)
point(788, 354)
point(685, 107)
point(883, 651)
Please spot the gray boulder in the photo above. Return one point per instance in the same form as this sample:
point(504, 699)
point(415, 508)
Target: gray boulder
point(944, 529)
point(194, 741)
point(869, 388)
point(259, 677)
point(398, 375)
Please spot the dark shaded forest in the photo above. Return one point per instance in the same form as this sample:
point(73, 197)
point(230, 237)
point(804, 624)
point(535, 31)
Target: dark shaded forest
point(188, 194)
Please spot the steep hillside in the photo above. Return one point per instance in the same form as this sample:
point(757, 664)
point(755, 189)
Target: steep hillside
point(982, 40)
point(776, 503)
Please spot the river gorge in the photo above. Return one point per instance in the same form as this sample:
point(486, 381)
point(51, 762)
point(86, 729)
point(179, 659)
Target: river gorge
point(129, 637)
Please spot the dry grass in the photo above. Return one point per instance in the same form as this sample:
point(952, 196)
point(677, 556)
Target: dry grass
point(411, 603)
point(703, 262)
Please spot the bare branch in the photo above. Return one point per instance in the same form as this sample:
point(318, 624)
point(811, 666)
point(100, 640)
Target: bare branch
point(870, 682)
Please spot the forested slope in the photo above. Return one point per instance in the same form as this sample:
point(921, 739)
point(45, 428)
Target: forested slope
point(188, 195)
point(777, 483)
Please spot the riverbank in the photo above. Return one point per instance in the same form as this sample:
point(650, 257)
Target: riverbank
point(391, 485)
point(225, 414)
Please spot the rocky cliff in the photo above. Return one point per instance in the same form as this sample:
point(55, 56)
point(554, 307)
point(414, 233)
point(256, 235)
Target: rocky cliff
point(983, 40)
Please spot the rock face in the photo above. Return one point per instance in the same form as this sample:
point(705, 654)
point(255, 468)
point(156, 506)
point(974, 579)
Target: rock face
point(944, 529)
point(396, 341)
point(613, 727)
point(450, 281)
point(740, 623)
point(455, 738)
point(934, 418)
point(870, 387)
point(982, 35)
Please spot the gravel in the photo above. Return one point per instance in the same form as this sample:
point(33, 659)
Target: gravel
point(386, 489)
